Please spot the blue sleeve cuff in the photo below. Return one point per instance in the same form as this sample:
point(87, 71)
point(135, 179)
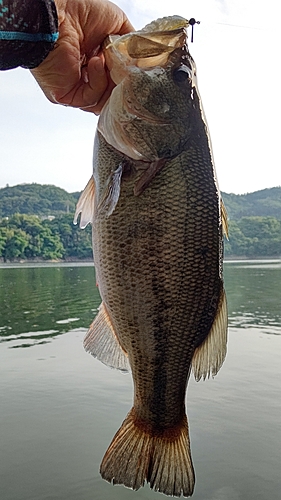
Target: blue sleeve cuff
point(29, 37)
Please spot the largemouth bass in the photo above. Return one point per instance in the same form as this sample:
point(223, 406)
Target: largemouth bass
point(158, 221)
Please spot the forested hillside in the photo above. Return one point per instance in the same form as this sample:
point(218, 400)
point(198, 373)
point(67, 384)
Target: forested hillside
point(29, 237)
point(265, 203)
point(254, 237)
point(36, 199)
point(44, 200)
point(27, 233)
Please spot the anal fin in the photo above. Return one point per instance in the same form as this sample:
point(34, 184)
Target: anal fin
point(102, 342)
point(210, 355)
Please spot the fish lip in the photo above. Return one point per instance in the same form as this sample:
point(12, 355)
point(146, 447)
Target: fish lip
point(181, 24)
point(174, 58)
point(112, 41)
point(115, 40)
point(124, 107)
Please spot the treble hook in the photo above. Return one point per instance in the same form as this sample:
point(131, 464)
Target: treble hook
point(192, 22)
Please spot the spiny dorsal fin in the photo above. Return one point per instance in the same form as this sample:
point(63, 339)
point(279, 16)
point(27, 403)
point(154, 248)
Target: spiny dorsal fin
point(102, 342)
point(210, 355)
point(85, 205)
point(224, 219)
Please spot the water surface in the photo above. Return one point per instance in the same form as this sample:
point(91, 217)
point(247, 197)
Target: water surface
point(60, 407)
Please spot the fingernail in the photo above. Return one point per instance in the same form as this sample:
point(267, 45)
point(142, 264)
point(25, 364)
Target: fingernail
point(85, 75)
point(53, 97)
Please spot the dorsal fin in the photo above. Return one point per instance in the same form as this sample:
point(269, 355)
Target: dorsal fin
point(224, 219)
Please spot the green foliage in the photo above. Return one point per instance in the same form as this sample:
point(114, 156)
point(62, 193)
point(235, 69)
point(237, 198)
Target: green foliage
point(44, 200)
point(254, 225)
point(14, 244)
point(265, 203)
point(23, 233)
point(254, 237)
point(76, 242)
point(36, 199)
point(26, 237)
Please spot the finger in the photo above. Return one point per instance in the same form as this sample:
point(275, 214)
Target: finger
point(126, 27)
point(97, 108)
point(96, 81)
point(93, 77)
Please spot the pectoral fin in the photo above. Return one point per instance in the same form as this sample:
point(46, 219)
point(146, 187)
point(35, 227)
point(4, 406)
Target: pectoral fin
point(210, 355)
point(149, 174)
point(102, 342)
point(111, 192)
point(85, 205)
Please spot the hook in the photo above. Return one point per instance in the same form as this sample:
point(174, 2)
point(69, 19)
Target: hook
point(192, 22)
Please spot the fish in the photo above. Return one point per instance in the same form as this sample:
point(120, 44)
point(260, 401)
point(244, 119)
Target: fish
point(158, 222)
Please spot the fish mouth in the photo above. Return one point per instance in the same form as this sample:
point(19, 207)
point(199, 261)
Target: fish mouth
point(147, 48)
point(159, 47)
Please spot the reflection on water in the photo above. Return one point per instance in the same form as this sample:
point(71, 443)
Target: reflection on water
point(60, 407)
point(39, 303)
point(42, 302)
point(254, 295)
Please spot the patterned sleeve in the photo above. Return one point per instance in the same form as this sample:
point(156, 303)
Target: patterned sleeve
point(28, 32)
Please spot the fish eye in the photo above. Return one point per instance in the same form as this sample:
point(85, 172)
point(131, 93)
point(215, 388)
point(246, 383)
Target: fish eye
point(181, 74)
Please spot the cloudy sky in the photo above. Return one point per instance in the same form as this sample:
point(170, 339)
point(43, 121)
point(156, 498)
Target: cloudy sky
point(237, 52)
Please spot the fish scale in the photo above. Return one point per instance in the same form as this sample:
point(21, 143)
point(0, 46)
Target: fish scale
point(157, 219)
point(178, 269)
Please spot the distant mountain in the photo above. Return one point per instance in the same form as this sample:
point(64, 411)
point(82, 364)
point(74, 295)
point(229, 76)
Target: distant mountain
point(36, 199)
point(265, 203)
point(44, 200)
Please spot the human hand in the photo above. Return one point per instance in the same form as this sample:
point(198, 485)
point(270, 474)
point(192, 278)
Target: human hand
point(74, 73)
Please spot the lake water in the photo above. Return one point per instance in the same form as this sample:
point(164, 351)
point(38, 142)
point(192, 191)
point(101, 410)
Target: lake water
point(59, 407)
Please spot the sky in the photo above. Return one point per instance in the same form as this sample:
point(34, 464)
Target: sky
point(237, 52)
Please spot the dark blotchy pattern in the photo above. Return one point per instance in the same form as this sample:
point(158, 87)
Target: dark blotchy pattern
point(158, 256)
point(26, 16)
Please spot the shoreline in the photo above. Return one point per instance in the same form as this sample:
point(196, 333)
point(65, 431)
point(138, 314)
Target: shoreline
point(89, 262)
point(45, 263)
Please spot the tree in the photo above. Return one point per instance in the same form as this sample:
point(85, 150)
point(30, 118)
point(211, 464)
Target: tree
point(15, 244)
point(52, 247)
point(254, 237)
point(260, 227)
point(36, 199)
point(3, 239)
point(238, 243)
point(25, 236)
point(76, 242)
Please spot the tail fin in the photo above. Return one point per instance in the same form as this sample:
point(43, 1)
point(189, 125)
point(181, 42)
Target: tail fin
point(164, 461)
